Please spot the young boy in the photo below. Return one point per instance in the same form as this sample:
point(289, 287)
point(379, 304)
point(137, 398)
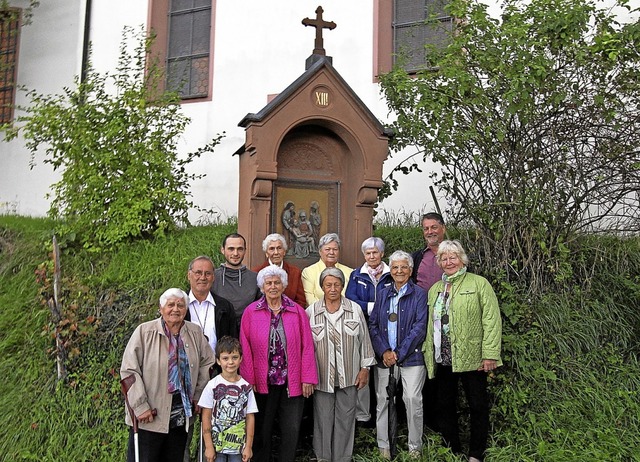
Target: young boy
point(228, 405)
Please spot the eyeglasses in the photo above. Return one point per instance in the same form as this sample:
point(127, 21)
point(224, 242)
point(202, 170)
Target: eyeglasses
point(450, 258)
point(401, 267)
point(206, 274)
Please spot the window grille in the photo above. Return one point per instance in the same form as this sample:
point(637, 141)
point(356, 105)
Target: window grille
point(9, 33)
point(412, 30)
point(188, 48)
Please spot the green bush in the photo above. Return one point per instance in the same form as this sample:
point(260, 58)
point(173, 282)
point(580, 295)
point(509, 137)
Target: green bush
point(116, 142)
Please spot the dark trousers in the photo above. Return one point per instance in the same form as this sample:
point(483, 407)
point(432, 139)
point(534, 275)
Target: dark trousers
point(158, 447)
point(277, 403)
point(474, 384)
point(429, 400)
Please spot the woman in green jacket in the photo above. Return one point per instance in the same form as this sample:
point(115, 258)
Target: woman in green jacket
point(463, 343)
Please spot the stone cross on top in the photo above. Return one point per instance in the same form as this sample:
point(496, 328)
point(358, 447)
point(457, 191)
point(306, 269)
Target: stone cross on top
point(319, 24)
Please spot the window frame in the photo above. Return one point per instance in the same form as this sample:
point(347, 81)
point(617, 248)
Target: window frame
point(9, 68)
point(384, 36)
point(158, 27)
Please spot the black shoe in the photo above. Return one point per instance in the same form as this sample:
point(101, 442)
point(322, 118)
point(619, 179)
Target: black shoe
point(371, 423)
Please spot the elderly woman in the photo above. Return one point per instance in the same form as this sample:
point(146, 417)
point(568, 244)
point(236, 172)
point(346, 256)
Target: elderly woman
point(344, 354)
point(329, 250)
point(278, 360)
point(274, 247)
point(463, 343)
point(365, 283)
point(397, 325)
point(169, 358)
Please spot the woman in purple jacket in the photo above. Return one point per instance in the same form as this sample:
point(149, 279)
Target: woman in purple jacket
point(279, 361)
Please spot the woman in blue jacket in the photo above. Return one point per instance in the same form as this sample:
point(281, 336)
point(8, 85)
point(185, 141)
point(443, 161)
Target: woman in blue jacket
point(365, 283)
point(398, 325)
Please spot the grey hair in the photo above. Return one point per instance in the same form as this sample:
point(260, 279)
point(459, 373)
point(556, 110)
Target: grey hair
point(328, 238)
point(201, 257)
point(372, 242)
point(173, 293)
point(274, 237)
point(272, 271)
point(331, 271)
point(401, 255)
point(453, 247)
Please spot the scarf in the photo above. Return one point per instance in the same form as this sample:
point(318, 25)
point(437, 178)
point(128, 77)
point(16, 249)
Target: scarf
point(374, 273)
point(440, 308)
point(179, 374)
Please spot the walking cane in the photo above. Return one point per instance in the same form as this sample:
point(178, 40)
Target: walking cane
point(125, 385)
point(201, 442)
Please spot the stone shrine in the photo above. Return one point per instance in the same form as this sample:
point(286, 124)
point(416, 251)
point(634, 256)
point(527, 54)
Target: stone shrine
point(311, 164)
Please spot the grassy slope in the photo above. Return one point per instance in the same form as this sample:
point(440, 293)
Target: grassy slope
point(45, 421)
point(570, 387)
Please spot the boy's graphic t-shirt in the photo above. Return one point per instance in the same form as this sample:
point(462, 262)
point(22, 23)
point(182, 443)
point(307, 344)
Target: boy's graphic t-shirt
point(230, 402)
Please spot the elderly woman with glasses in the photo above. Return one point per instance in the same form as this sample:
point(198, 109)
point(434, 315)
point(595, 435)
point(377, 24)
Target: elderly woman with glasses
point(463, 344)
point(343, 354)
point(279, 361)
point(169, 359)
point(329, 249)
point(398, 325)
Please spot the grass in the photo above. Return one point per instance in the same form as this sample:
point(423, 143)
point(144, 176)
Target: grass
point(569, 389)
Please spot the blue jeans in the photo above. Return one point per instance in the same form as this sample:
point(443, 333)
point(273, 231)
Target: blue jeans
point(228, 457)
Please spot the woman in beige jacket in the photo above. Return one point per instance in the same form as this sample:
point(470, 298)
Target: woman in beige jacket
point(170, 360)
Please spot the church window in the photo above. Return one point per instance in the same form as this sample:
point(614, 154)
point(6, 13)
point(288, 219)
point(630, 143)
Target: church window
point(9, 32)
point(411, 30)
point(402, 31)
point(183, 45)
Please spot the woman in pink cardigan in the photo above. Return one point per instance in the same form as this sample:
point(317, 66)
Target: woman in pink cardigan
point(279, 361)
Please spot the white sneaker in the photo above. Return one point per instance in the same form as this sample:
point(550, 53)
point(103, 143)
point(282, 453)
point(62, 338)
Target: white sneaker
point(474, 459)
point(385, 453)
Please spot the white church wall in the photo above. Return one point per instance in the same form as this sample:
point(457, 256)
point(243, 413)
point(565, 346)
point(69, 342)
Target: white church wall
point(49, 58)
point(260, 48)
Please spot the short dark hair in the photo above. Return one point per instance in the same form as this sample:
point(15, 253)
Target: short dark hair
point(432, 216)
point(233, 236)
point(228, 345)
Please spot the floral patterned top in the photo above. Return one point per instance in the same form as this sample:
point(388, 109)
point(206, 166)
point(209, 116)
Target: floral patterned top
point(277, 374)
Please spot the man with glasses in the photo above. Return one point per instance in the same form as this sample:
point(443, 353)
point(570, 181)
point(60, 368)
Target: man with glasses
point(210, 311)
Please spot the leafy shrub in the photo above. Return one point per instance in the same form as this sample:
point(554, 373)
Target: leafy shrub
point(115, 140)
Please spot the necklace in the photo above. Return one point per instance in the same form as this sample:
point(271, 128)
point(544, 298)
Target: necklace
point(205, 318)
